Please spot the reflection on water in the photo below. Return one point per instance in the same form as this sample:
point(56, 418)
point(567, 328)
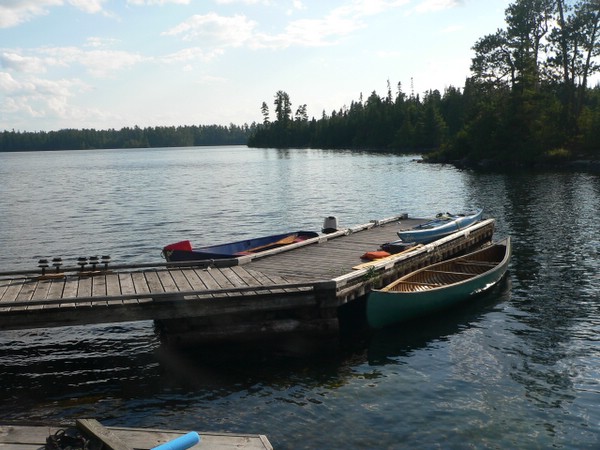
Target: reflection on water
point(519, 368)
point(391, 344)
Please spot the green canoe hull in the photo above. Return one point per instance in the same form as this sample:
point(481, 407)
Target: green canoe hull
point(389, 307)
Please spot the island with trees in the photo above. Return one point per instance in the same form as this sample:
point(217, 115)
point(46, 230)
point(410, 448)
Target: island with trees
point(527, 101)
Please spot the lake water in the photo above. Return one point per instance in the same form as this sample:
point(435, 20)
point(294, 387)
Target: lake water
point(520, 369)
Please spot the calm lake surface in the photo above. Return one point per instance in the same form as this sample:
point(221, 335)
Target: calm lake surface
point(520, 369)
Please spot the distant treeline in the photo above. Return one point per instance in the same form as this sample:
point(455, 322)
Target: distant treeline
point(72, 139)
point(527, 99)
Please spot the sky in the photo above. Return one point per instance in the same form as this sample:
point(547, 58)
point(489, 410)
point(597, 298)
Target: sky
point(111, 64)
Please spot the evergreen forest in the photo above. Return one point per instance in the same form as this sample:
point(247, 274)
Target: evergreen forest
point(526, 100)
point(136, 137)
point(529, 99)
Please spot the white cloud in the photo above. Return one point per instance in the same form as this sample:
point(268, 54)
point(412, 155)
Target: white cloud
point(362, 8)
point(38, 97)
point(8, 83)
point(88, 6)
point(157, 2)
point(19, 63)
point(245, 2)
point(99, 62)
point(236, 31)
point(310, 32)
point(192, 54)
point(97, 42)
point(215, 30)
point(426, 6)
point(13, 13)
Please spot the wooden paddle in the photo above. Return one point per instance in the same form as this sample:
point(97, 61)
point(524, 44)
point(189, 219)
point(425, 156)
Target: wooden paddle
point(283, 241)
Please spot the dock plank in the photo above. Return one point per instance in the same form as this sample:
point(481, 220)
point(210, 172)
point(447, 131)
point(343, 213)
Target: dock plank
point(41, 292)
point(71, 285)
point(99, 285)
point(12, 291)
point(209, 281)
point(113, 284)
point(26, 293)
point(153, 281)
point(221, 279)
point(139, 283)
point(19, 437)
point(140, 286)
point(84, 286)
point(320, 273)
point(4, 284)
point(195, 281)
point(126, 283)
point(237, 280)
point(57, 286)
point(167, 280)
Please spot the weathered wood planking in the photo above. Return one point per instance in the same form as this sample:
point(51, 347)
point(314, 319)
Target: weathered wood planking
point(317, 274)
point(17, 437)
point(153, 294)
point(329, 259)
point(101, 288)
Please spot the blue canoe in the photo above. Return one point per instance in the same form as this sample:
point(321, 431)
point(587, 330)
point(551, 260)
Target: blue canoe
point(441, 226)
point(183, 250)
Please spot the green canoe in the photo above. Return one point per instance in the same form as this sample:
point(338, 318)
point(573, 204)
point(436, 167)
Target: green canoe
point(439, 286)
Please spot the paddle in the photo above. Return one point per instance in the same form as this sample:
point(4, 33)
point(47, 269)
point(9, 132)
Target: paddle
point(283, 241)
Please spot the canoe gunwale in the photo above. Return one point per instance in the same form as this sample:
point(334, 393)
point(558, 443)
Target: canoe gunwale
point(461, 260)
point(425, 296)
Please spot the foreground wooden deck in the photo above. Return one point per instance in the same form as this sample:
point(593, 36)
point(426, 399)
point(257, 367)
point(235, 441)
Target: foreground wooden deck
point(295, 289)
point(19, 437)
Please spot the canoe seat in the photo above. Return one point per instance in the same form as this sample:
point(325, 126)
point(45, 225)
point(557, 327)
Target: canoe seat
point(397, 286)
point(447, 272)
point(477, 263)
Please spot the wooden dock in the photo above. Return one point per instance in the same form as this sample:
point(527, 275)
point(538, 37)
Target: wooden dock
point(297, 289)
point(21, 437)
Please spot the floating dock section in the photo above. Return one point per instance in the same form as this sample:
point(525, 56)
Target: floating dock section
point(20, 437)
point(295, 290)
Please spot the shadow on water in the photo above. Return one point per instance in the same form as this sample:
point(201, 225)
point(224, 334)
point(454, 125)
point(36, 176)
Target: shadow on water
point(105, 371)
point(387, 344)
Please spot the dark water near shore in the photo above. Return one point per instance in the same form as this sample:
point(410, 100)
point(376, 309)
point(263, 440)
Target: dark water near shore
point(520, 369)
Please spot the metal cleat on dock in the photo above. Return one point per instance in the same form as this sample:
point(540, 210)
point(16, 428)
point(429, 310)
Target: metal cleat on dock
point(44, 265)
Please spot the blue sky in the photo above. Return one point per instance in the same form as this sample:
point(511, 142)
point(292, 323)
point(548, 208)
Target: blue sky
point(111, 64)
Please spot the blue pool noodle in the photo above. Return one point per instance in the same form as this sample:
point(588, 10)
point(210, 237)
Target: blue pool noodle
point(180, 443)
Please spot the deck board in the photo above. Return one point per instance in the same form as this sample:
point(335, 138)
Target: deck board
point(322, 269)
point(26, 293)
point(99, 285)
point(195, 281)
point(69, 290)
point(139, 283)
point(84, 287)
point(167, 281)
point(12, 291)
point(113, 284)
point(19, 437)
